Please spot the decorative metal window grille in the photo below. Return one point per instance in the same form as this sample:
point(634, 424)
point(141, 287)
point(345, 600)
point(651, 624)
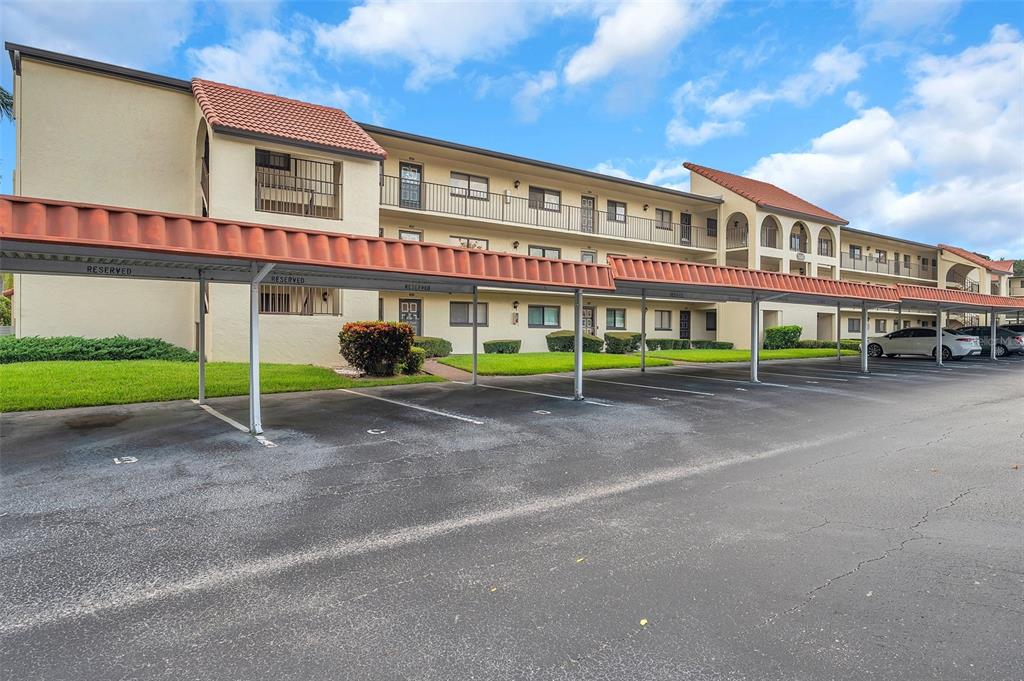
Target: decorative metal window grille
point(299, 300)
point(297, 186)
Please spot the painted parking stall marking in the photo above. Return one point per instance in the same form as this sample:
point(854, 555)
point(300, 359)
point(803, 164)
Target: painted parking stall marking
point(409, 405)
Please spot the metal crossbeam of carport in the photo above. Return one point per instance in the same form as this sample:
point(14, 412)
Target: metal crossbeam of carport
point(939, 300)
point(43, 236)
point(715, 283)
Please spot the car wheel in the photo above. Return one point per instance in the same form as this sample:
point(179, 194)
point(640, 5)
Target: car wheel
point(946, 353)
point(1000, 351)
point(874, 350)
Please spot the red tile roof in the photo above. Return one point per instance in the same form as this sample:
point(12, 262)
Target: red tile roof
point(45, 220)
point(1001, 266)
point(765, 194)
point(931, 294)
point(230, 108)
point(699, 274)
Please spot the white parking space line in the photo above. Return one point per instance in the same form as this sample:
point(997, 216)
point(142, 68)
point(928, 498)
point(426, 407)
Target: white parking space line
point(226, 419)
point(641, 385)
point(724, 380)
point(413, 406)
point(531, 392)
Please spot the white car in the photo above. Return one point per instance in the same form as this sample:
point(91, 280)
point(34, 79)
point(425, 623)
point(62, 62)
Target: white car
point(921, 341)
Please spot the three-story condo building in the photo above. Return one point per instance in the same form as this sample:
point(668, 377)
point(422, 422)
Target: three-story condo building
point(103, 134)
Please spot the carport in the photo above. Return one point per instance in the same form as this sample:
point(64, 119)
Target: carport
point(939, 300)
point(44, 236)
point(636, 277)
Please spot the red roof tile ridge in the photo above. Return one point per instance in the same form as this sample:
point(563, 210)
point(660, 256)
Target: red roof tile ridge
point(249, 91)
point(978, 258)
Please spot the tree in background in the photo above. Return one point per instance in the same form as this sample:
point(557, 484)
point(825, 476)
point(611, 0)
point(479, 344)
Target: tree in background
point(1018, 268)
point(6, 104)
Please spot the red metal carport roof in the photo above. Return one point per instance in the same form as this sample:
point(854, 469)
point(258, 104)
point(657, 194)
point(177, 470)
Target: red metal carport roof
point(699, 275)
point(957, 298)
point(88, 225)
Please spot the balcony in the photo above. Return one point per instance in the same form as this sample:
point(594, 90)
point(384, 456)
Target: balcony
point(890, 267)
point(736, 237)
point(444, 199)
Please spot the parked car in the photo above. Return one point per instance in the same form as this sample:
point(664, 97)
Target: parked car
point(1007, 340)
point(921, 341)
point(1019, 328)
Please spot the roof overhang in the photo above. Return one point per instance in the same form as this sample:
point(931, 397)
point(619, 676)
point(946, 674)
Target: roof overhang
point(698, 281)
point(57, 237)
point(928, 298)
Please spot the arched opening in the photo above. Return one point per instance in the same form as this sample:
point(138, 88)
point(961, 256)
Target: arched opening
point(959, 277)
point(737, 231)
point(770, 233)
point(826, 243)
point(203, 170)
point(799, 238)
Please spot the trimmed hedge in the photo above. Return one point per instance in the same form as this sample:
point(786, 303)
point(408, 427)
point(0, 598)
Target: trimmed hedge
point(414, 361)
point(621, 342)
point(434, 347)
point(845, 344)
point(710, 345)
point(378, 348)
point(502, 347)
point(782, 337)
point(76, 348)
point(668, 344)
point(562, 341)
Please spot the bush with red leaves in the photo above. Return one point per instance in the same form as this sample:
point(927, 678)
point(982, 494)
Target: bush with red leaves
point(378, 348)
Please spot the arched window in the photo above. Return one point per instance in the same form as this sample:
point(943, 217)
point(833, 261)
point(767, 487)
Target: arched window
point(770, 233)
point(798, 238)
point(737, 231)
point(826, 244)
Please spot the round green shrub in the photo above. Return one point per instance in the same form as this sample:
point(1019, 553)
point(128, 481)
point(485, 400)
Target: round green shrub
point(414, 361)
point(621, 342)
point(782, 337)
point(377, 348)
point(563, 341)
point(502, 347)
point(434, 347)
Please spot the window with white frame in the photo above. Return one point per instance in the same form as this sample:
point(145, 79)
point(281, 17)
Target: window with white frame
point(543, 316)
point(853, 324)
point(855, 252)
point(616, 211)
point(616, 319)
point(588, 256)
point(410, 235)
point(545, 252)
point(663, 320)
point(461, 313)
point(299, 300)
point(545, 199)
point(662, 218)
point(473, 186)
point(880, 325)
point(470, 242)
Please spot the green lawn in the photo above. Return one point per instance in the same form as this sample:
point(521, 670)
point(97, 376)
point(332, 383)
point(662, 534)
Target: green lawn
point(57, 385)
point(526, 363)
point(743, 355)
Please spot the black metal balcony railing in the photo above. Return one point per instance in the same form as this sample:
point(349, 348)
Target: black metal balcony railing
point(770, 239)
point(894, 267)
point(448, 200)
point(964, 285)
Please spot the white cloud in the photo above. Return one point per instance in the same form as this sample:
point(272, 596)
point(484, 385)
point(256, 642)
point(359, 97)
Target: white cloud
point(855, 100)
point(668, 173)
point(278, 63)
point(723, 115)
point(528, 99)
point(432, 38)
point(898, 17)
point(137, 34)
point(959, 137)
point(637, 36)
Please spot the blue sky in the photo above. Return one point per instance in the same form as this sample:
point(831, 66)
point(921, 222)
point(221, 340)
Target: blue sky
point(904, 117)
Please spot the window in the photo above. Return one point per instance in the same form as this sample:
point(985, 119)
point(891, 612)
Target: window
point(616, 211)
point(853, 324)
point(588, 256)
point(825, 246)
point(545, 252)
point(880, 326)
point(711, 320)
point(470, 242)
point(881, 256)
point(685, 232)
point(616, 318)
point(410, 235)
point(545, 199)
point(662, 218)
point(855, 252)
point(663, 320)
point(299, 300)
point(543, 316)
point(713, 227)
point(461, 314)
point(473, 186)
point(297, 186)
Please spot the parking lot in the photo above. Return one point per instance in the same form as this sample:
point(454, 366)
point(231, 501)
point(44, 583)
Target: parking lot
point(678, 524)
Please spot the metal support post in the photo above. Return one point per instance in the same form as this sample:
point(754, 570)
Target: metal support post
point(577, 364)
point(938, 335)
point(863, 337)
point(839, 332)
point(475, 305)
point(899, 316)
point(201, 340)
point(643, 329)
point(259, 273)
point(992, 330)
point(755, 336)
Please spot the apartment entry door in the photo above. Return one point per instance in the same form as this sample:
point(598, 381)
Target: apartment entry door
point(588, 319)
point(588, 213)
point(684, 324)
point(410, 311)
point(411, 189)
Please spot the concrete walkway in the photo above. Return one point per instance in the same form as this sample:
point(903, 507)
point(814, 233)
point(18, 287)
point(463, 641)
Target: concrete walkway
point(432, 366)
